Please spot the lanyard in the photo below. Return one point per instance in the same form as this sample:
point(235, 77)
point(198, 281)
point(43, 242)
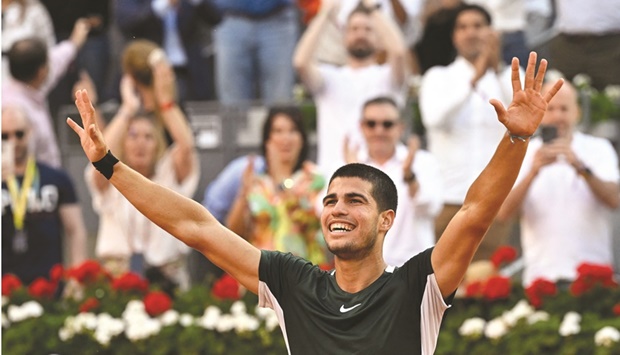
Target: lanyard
point(20, 197)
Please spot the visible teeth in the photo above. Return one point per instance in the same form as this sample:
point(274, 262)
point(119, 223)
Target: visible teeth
point(340, 227)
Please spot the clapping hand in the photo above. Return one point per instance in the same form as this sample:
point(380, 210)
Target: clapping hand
point(528, 104)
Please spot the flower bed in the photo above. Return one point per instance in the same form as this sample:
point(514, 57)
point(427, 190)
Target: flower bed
point(102, 315)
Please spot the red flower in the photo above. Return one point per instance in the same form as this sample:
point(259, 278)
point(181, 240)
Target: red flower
point(538, 289)
point(226, 288)
point(90, 304)
point(156, 303)
point(42, 288)
point(497, 287)
point(57, 272)
point(88, 272)
point(10, 283)
point(503, 255)
point(130, 282)
point(591, 275)
point(474, 289)
point(616, 309)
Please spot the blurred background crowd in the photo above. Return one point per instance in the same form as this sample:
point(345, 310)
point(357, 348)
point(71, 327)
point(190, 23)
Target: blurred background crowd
point(248, 106)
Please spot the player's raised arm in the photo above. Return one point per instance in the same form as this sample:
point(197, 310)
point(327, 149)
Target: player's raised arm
point(183, 218)
point(459, 242)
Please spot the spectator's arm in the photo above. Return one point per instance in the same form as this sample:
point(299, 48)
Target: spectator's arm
point(303, 58)
point(391, 37)
point(75, 231)
point(443, 92)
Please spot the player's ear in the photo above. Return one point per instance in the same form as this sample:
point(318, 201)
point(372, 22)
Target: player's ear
point(386, 219)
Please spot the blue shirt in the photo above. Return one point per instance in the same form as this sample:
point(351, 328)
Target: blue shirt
point(251, 7)
point(221, 192)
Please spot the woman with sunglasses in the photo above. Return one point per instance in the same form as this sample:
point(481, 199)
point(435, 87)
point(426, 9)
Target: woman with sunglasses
point(275, 210)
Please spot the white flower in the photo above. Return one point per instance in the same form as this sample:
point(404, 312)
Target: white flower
point(263, 312)
point(570, 324)
point(606, 336)
point(32, 309)
point(238, 308)
point(142, 329)
point(582, 80)
point(521, 310)
point(210, 318)
point(495, 329)
point(472, 327)
point(16, 314)
point(170, 317)
point(65, 333)
point(186, 319)
point(245, 323)
point(272, 322)
point(225, 324)
point(84, 321)
point(538, 316)
point(613, 92)
point(103, 337)
point(134, 306)
point(109, 325)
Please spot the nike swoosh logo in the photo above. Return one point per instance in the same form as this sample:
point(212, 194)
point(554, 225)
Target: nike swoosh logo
point(343, 309)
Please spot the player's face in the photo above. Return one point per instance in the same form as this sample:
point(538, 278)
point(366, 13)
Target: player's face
point(350, 218)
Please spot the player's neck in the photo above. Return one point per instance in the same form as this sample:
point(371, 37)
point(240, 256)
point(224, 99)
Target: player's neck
point(355, 275)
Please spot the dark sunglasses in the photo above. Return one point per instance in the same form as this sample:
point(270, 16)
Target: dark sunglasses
point(386, 124)
point(19, 134)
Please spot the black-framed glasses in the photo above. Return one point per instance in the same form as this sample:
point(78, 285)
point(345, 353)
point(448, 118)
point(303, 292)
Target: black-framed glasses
point(386, 124)
point(19, 134)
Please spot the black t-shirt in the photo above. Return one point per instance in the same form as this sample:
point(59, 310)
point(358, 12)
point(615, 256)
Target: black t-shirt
point(399, 313)
point(42, 224)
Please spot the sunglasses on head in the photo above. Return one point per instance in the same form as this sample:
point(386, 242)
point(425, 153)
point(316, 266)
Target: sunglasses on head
point(19, 134)
point(386, 124)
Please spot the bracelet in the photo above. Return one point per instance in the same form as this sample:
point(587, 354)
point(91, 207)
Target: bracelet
point(106, 165)
point(521, 138)
point(167, 106)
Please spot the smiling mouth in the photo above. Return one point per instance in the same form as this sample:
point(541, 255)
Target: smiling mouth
point(340, 227)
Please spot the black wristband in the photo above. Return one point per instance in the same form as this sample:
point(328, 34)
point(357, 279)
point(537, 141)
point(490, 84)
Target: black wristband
point(106, 165)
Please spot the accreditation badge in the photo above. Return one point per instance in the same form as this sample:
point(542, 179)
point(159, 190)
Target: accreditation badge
point(20, 241)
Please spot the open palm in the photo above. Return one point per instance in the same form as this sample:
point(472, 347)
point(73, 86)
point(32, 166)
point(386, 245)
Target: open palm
point(528, 103)
point(90, 136)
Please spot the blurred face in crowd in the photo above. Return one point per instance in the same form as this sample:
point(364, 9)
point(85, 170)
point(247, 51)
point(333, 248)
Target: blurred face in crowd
point(470, 31)
point(141, 144)
point(285, 141)
point(382, 129)
point(360, 38)
point(563, 110)
point(16, 132)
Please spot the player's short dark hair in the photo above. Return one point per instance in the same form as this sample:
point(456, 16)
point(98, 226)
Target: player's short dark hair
point(26, 57)
point(383, 188)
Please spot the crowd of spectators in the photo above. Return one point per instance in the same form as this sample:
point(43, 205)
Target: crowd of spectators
point(355, 61)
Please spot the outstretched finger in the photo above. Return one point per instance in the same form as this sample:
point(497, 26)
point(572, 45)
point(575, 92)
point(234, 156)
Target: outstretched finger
point(540, 76)
point(85, 107)
point(554, 90)
point(75, 127)
point(516, 78)
point(500, 110)
point(529, 71)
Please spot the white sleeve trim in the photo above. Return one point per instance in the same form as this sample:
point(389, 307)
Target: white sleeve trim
point(432, 309)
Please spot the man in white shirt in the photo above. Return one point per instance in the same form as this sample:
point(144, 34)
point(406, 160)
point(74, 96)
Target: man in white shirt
point(415, 173)
point(588, 40)
point(565, 192)
point(460, 123)
point(339, 92)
